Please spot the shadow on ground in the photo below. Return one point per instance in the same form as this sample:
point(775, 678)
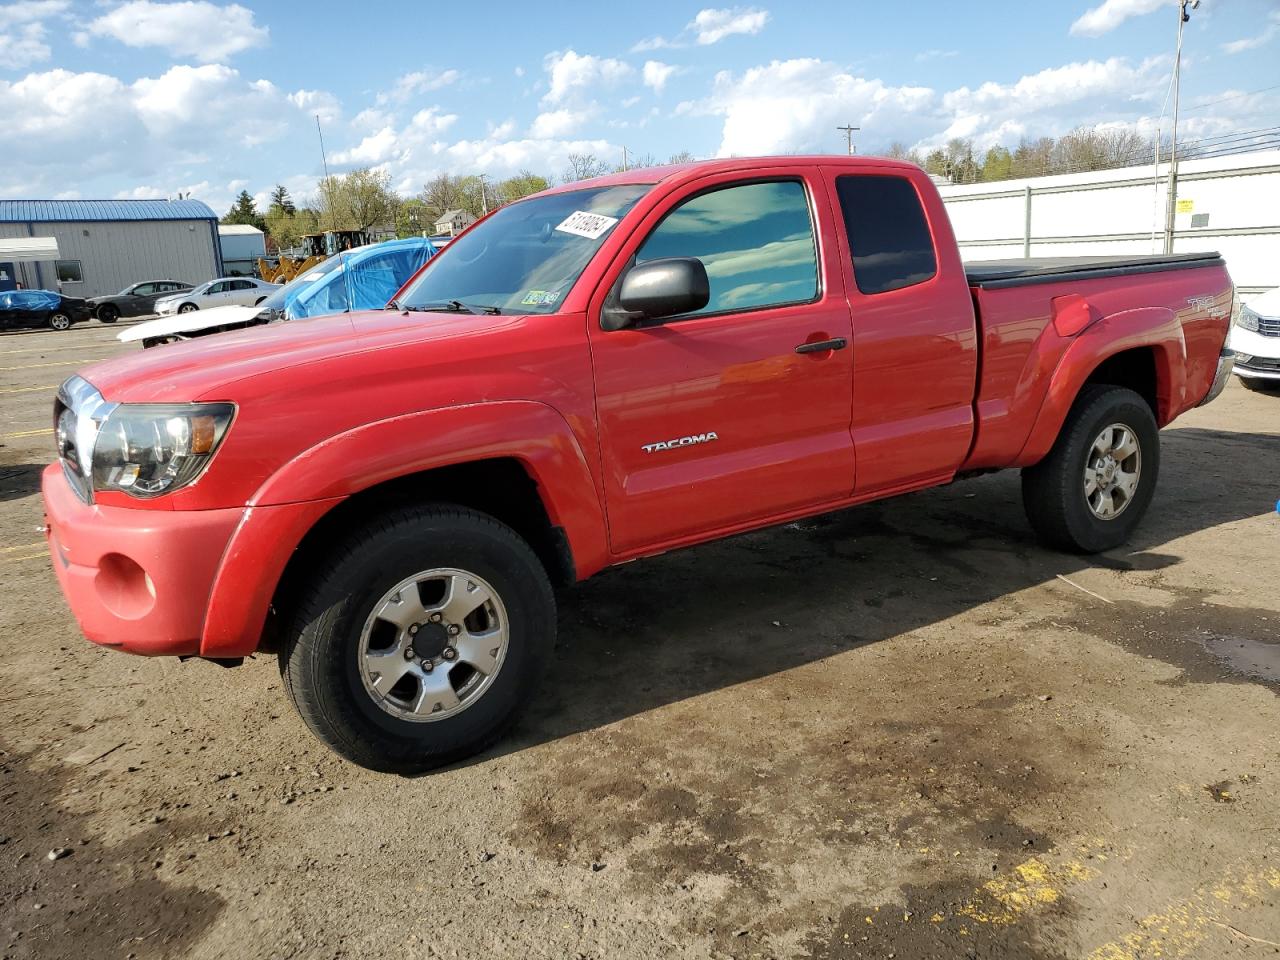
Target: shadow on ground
point(659, 631)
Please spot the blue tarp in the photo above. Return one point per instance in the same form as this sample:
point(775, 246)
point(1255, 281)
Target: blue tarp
point(29, 300)
point(366, 279)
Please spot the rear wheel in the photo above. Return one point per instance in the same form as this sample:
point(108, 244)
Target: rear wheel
point(188, 308)
point(60, 321)
point(258, 301)
point(108, 314)
point(420, 639)
point(1260, 386)
point(1095, 485)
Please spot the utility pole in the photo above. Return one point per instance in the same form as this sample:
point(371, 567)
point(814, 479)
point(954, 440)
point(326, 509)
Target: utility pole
point(848, 137)
point(484, 196)
point(1172, 200)
point(624, 158)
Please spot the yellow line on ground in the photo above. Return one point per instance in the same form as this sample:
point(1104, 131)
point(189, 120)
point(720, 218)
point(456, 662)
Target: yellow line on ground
point(47, 386)
point(60, 363)
point(32, 556)
point(1180, 929)
point(53, 349)
point(25, 433)
point(24, 546)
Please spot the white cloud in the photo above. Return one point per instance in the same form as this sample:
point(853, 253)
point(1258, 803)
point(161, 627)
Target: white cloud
point(795, 105)
point(429, 122)
point(24, 46)
point(656, 74)
point(571, 73)
point(558, 123)
point(192, 28)
point(1111, 13)
point(420, 81)
point(317, 103)
point(71, 129)
point(712, 25)
point(652, 43)
point(926, 55)
point(27, 11)
point(372, 118)
point(374, 149)
point(519, 71)
point(1259, 39)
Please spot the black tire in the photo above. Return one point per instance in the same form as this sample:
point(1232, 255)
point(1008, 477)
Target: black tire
point(188, 308)
point(1053, 491)
point(108, 314)
point(1260, 386)
point(320, 650)
point(60, 321)
point(258, 302)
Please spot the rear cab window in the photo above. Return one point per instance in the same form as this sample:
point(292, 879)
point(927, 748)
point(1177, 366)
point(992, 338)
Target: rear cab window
point(755, 239)
point(889, 238)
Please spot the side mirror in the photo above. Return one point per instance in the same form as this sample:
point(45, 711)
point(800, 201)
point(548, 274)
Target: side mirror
point(657, 289)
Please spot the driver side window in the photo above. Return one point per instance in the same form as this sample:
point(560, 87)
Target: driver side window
point(144, 289)
point(755, 239)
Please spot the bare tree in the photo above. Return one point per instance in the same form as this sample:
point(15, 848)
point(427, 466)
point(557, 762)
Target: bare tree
point(584, 166)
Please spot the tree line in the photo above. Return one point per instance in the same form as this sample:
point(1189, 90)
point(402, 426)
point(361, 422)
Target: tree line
point(364, 199)
point(1084, 148)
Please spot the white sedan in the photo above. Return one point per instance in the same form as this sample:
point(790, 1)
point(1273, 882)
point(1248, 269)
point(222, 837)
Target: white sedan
point(229, 291)
point(1255, 337)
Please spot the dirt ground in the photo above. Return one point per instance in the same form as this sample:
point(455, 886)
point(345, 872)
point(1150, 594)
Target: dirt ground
point(901, 731)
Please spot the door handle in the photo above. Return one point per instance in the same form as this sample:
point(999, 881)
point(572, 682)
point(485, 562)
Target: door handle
point(836, 343)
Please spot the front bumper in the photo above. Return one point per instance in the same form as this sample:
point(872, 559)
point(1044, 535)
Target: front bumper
point(1258, 355)
point(1226, 362)
point(136, 580)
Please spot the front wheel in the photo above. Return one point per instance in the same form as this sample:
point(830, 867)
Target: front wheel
point(60, 321)
point(420, 639)
point(1091, 491)
point(188, 308)
point(108, 314)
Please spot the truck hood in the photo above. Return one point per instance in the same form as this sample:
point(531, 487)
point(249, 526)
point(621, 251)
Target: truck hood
point(192, 322)
point(205, 368)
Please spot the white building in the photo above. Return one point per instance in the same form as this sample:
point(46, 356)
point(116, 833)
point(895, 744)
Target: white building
point(105, 245)
point(453, 222)
point(1230, 204)
point(241, 244)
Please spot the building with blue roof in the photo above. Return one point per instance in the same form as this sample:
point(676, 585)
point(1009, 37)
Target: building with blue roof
point(104, 246)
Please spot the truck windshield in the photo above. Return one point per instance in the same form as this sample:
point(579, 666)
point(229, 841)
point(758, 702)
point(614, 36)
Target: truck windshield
point(525, 257)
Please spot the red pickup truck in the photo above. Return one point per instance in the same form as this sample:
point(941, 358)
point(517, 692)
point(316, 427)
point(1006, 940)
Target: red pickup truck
point(603, 371)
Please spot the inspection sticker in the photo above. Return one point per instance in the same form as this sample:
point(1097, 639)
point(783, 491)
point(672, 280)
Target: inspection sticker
point(540, 298)
point(589, 225)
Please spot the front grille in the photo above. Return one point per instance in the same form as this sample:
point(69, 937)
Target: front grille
point(1269, 326)
point(1261, 365)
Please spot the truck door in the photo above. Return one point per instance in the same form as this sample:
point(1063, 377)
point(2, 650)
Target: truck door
point(915, 354)
point(712, 418)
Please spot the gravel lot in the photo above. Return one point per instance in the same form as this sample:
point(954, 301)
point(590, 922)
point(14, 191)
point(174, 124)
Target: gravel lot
point(901, 731)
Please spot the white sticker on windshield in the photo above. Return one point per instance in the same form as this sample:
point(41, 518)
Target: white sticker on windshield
point(589, 225)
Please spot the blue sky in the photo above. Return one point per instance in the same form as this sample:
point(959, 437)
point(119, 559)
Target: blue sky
point(143, 98)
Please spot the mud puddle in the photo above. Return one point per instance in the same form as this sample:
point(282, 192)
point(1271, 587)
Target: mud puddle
point(1246, 657)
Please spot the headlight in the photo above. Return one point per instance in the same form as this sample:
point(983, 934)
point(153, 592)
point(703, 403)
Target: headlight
point(1247, 320)
point(142, 449)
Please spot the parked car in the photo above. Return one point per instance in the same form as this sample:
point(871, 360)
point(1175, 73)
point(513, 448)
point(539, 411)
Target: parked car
point(244, 291)
point(601, 372)
point(1255, 337)
point(135, 300)
point(368, 275)
point(41, 308)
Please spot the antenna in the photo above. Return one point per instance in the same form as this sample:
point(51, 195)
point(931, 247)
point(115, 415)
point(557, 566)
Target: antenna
point(328, 184)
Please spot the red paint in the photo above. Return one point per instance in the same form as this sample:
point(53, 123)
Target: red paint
point(936, 378)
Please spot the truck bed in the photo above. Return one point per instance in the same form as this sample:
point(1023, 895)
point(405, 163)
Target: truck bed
point(998, 274)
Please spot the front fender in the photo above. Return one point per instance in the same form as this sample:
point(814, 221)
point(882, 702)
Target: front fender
point(289, 503)
point(1154, 328)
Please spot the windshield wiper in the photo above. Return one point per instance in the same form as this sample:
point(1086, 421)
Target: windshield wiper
point(454, 306)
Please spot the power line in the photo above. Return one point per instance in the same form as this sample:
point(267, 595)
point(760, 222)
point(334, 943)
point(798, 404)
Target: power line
point(1234, 96)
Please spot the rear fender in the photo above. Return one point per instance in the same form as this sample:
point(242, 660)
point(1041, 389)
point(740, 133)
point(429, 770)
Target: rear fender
point(1155, 328)
point(296, 496)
